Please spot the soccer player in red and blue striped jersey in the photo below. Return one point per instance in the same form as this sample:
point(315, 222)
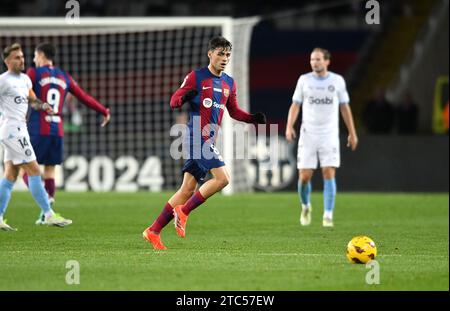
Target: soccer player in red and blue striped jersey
point(52, 84)
point(208, 91)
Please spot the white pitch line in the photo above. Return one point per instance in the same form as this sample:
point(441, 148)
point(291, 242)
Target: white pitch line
point(296, 254)
point(338, 255)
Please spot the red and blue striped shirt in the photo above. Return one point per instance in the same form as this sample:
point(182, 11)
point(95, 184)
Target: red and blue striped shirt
point(214, 95)
point(52, 84)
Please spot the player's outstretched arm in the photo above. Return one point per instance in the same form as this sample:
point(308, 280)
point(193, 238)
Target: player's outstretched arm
point(240, 115)
point(346, 113)
point(106, 118)
point(89, 101)
point(37, 104)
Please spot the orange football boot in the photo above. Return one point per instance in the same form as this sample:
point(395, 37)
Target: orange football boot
point(154, 239)
point(180, 220)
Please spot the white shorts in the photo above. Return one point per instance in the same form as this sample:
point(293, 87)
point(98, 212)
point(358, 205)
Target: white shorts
point(322, 148)
point(17, 145)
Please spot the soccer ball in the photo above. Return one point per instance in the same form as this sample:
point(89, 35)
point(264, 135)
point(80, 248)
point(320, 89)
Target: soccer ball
point(361, 249)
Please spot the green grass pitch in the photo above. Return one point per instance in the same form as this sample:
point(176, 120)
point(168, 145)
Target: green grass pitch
point(242, 242)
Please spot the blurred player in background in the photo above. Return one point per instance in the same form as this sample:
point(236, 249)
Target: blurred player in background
point(15, 94)
point(208, 91)
point(52, 84)
point(322, 94)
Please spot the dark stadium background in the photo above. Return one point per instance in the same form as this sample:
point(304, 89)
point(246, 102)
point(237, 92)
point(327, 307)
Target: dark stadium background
point(370, 57)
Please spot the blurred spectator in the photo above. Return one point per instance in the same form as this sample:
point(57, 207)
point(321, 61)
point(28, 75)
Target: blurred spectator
point(407, 115)
point(445, 117)
point(378, 115)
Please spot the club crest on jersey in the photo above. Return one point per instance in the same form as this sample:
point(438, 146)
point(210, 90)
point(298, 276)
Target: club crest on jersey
point(226, 92)
point(331, 88)
point(207, 102)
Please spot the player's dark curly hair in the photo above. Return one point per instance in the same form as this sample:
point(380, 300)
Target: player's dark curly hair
point(219, 42)
point(48, 49)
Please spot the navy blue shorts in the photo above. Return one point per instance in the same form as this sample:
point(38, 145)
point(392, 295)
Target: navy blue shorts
point(48, 149)
point(200, 167)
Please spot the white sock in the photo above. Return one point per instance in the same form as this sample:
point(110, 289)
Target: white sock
point(49, 214)
point(306, 206)
point(328, 214)
point(1, 218)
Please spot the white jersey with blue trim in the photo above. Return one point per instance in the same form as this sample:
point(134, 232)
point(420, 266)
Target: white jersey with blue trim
point(320, 98)
point(14, 92)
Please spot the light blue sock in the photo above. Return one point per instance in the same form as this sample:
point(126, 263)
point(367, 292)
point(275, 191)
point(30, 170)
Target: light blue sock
point(38, 193)
point(5, 194)
point(304, 192)
point(329, 194)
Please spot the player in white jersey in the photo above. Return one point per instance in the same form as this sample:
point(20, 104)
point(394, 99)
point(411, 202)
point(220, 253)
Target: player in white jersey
point(322, 94)
point(15, 95)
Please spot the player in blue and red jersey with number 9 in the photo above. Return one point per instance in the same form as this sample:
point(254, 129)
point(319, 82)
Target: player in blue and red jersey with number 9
point(51, 84)
point(208, 91)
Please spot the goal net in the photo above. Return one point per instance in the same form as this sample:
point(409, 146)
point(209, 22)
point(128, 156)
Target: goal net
point(131, 65)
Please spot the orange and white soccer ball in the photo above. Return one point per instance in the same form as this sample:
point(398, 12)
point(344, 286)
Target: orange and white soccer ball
point(361, 249)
